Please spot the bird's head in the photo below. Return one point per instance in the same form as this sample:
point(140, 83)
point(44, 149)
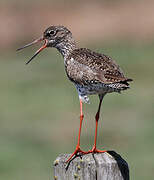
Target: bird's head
point(52, 37)
point(55, 35)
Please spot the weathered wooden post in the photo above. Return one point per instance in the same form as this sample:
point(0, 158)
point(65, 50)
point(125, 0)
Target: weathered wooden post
point(102, 166)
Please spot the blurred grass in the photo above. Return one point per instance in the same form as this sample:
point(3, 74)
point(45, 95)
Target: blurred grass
point(39, 113)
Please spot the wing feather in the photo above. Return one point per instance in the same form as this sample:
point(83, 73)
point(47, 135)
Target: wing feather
point(92, 66)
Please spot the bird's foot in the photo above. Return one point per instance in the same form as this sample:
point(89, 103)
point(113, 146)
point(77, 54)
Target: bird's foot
point(77, 152)
point(94, 150)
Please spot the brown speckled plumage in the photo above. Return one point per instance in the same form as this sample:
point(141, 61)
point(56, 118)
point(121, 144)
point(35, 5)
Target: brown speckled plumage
point(94, 73)
point(94, 67)
point(91, 72)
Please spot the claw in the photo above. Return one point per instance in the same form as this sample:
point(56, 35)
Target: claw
point(94, 150)
point(78, 153)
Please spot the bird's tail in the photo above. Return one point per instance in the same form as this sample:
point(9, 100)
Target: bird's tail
point(123, 85)
point(126, 81)
point(120, 86)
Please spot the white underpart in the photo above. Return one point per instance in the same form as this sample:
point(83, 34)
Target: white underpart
point(84, 99)
point(72, 59)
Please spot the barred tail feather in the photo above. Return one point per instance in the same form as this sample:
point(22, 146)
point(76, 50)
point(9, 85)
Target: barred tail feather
point(120, 86)
point(126, 81)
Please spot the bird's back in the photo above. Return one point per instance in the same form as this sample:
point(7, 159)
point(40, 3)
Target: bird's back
point(85, 67)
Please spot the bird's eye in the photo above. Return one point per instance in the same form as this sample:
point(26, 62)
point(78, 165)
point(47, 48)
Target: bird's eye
point(52, 32)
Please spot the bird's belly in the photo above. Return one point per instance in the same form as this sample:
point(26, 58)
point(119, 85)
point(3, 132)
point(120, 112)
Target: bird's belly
point(94, 89)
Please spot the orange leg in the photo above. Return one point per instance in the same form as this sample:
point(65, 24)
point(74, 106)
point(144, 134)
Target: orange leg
point(94, 150)
point(77, 149)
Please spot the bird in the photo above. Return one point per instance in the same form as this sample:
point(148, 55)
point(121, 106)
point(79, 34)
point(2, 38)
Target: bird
point(92, 73)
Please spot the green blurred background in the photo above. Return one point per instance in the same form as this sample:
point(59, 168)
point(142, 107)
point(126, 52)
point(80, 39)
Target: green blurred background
point(39, 107)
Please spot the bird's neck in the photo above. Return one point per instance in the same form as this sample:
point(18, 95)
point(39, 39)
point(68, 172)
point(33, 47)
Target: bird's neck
point(66, 46)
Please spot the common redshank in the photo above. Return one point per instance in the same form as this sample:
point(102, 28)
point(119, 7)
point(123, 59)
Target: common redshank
point(91, 73)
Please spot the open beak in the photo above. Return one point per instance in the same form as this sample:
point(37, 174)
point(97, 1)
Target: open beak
point(38, 51)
